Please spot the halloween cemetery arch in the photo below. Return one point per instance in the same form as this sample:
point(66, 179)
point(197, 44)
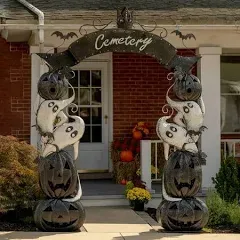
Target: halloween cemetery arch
point(119, 40)
point(182, 176)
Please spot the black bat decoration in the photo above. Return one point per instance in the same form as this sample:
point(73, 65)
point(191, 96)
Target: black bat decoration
point(183, 37)
point(64, 37)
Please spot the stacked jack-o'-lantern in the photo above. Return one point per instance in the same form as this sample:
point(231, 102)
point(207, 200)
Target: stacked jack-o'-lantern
point(59, 179)
point(182, 176)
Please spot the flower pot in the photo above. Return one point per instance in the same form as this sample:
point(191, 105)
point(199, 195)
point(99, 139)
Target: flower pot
point(137, 205)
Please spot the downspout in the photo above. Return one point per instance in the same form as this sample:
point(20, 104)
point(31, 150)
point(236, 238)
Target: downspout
point(40, 15)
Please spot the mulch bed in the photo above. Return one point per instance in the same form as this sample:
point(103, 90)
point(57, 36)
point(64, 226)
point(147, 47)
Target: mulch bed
point(9, 226)
point(219, 229)
point(17, 221)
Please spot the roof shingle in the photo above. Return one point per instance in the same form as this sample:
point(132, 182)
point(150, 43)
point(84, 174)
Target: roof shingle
point(165, 11)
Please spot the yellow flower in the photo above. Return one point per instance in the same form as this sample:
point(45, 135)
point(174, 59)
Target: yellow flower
point(141, 124)
point(138, 194)
point(146, 131)
point(153, 170)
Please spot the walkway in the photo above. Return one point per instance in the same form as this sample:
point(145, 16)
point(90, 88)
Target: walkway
point(116, 223)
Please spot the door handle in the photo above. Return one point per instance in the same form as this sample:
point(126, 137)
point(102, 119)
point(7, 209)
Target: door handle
point(106, 119)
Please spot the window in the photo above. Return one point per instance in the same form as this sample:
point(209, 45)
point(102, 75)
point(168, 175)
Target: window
point(230, 94)
point(88, 88)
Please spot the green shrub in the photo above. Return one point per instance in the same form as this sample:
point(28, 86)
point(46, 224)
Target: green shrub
point(218, 212)
point(18, 174)
point(227, 182)
point(234, 213)
point(221, 212)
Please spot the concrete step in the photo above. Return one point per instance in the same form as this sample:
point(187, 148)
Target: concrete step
point(115, 200)
point(120, 200)
point(104, 200)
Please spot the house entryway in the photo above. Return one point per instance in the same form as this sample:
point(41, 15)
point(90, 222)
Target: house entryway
point(91, 86)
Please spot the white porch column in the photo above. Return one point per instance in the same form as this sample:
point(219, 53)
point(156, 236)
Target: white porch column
point(209, 73)
point(145, 161)
point(35, 75)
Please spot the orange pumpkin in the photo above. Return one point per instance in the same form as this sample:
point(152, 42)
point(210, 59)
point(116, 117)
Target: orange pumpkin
point(123, 182)
point(137, 135)
point(126, 156)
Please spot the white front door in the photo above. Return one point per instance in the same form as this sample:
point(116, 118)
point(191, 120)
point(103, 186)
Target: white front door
point(91, 88)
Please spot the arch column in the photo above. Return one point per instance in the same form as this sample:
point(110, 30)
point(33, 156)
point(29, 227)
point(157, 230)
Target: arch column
point(209, 74)
point(35, 75)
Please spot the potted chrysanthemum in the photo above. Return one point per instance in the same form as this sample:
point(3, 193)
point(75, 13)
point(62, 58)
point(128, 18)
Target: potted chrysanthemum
point(138, 197)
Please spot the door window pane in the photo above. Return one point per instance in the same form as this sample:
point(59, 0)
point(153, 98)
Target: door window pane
point(85, 114)
point(84, 78)
point(96, 96)
point(96, 134)
point(84, 96)
point(96, 78)
point(87, 135)
point(97, 115)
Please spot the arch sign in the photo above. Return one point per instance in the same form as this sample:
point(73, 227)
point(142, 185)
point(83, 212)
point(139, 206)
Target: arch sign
point(119, 40)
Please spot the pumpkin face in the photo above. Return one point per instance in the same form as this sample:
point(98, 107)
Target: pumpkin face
point(189, 214)
point(188, 88)
point(52, 86)
point(58, 175)
point(137, 135)
point(126, 156)
point(182, 174)
point(55, 215)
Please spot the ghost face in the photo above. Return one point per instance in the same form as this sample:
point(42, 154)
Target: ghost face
point(189, 113)
point(174, 135)
point(47, 113)
point(65, 135)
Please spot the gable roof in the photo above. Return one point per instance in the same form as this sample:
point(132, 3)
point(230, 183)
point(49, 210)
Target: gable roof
point(164, 11)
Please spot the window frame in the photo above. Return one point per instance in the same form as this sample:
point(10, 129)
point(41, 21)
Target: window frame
point(226, 55)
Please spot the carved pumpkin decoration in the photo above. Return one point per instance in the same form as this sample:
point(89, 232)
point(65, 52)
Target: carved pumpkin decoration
point(58, 175)
point(188, 87)
point(54, 215)
point(182, 174)
point(52, 86)
point(187, 214)
point(137, 135)
point(126, 156)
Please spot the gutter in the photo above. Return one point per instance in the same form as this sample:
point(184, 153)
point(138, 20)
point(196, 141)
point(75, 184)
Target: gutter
point(77, 26)
point(40, 15)
point(40, 22)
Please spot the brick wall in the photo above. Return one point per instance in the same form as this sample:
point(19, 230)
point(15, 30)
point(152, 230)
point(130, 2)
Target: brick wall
point(139, 89)
point(15, 89)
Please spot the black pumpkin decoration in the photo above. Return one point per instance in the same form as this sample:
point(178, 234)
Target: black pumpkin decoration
point(52, 85)
point(188, 87)
point(58, 175)
point(54, 215)
point(187, 214)
point(182, 174)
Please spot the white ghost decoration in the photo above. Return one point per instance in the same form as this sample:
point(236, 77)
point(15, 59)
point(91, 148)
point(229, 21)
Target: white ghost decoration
point(78, 195)
point(65, 135)
point(190, 114)
point(47, 113)
point(174, 135)
point(61, 119)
